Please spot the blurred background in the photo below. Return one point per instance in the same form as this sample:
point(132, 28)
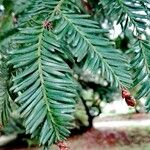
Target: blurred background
point(103, 121)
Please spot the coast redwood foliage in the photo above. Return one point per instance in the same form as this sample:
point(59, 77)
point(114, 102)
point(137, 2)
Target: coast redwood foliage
point(43, 41)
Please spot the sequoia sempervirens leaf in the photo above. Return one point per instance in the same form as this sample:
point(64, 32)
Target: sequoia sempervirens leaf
point(48, 40)
point(46, 85)
point(128, 98)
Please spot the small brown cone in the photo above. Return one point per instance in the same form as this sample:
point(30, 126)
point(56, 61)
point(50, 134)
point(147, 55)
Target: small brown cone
point(126, 94)
point(128, 98)
point(131, 102)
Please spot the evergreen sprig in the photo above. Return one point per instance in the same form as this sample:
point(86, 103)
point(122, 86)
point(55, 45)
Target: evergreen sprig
point(49, 33)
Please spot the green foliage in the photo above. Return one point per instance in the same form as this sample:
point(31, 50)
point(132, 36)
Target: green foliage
point(129, 13)
point(5, 108)
point(86, 45)
point(135, 14)
point(48, 40)
point(13, 126)
point(141, 67)
point(47, 90)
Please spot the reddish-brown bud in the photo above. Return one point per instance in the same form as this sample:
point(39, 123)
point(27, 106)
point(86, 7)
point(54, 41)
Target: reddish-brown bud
point(47, 25)
point(87, 6)
point(126, 94)
point(128, 98)
point(62, 146)
point(131, 102)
